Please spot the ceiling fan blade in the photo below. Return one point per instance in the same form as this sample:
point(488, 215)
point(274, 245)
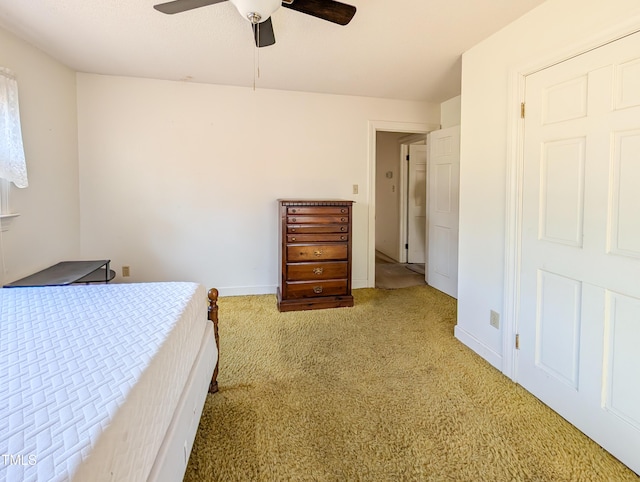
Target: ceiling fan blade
point(330, 10)
point(263, 33)
point(178, 6)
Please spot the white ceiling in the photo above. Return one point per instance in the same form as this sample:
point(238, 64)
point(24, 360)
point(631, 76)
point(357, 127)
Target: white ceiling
point(399, 49)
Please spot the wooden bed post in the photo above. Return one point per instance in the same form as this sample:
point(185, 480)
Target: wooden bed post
point(213, 316)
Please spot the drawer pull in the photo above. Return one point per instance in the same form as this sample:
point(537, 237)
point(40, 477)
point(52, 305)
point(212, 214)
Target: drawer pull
point(344, 220)
point(317, 253)
point(343, 210)
point(293, 220)
point(318, 270)
point(343, 228)
point(293, 211)
point(317, 289)
point(341, 237)
point(293, 238)
point(293, 230)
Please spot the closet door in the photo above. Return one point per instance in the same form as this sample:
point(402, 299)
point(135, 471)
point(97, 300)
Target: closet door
point(579, 316)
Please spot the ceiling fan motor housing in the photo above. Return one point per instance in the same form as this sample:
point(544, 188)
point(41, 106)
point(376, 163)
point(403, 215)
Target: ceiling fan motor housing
point(256, 11)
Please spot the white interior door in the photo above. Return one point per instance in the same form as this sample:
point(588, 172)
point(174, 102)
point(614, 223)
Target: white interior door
point(579, 299)
point(444, 187)
point(417, 204)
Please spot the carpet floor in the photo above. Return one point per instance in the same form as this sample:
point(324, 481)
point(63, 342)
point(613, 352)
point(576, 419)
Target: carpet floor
point(397, 275)
point(378, 392)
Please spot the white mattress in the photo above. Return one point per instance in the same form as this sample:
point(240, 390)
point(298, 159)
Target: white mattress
point(90, 376)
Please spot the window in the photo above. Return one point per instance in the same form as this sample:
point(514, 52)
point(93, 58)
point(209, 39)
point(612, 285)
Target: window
point(13, 167)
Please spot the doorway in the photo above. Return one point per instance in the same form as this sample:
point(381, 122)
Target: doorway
point(400, 234)
point(403, 128)
point(393, 275)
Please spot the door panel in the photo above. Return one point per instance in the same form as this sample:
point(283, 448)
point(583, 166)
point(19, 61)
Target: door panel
point(627, 93)
point(623, 358)
point(624, 231)
point(562, 191)
point(417, 205)
point(579, 298)
point(558, 326)
point(565, 101)
point(444, 182)
point(442, 245)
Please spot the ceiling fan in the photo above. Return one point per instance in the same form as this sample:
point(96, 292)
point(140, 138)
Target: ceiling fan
point(258, 12)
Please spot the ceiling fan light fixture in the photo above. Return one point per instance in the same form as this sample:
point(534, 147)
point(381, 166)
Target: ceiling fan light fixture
point(256, 11)
point(254, 17)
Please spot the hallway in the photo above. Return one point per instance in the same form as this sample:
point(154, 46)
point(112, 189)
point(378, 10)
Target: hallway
point(392, 275)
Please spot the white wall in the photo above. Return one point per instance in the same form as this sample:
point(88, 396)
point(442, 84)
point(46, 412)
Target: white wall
point(180, 180)
point(450, 112)
point(555, 27)
point(388, 193)
point(49, 226)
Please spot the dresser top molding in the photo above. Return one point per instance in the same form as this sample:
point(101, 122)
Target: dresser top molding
point(313, 202)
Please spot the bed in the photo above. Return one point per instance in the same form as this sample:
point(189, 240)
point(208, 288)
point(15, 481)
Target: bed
point(104, 382)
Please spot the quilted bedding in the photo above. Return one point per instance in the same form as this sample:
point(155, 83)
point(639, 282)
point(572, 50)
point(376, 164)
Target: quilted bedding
point(90, 376)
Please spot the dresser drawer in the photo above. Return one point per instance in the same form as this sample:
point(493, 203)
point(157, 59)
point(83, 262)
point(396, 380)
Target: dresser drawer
point(320, 210)
point(320, 238)
point(317, 219)
point(317, 252)
point(312, 289)
point(317, 228)
point(313, 271)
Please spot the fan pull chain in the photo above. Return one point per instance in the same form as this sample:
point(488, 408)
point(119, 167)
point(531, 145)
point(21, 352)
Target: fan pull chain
point(254, 18)
point(256, 58)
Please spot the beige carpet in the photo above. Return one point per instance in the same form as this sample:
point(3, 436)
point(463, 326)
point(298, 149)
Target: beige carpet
point(396, 275)
point(378, 392)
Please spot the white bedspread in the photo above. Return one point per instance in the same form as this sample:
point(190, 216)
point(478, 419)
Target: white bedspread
point(90, 376)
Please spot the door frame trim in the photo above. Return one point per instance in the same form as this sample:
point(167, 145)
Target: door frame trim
point(515, 179)
point(373, 128)
point(402, 215)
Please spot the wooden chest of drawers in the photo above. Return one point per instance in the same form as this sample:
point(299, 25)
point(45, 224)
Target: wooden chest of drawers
point(315, 255)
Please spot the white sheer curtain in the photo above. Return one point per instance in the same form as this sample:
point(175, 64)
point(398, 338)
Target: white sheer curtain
point(13, 167)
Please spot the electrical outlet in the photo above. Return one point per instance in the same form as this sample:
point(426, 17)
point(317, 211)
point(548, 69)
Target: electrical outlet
point(126, 271)
point(355, 189)
point(494, 319)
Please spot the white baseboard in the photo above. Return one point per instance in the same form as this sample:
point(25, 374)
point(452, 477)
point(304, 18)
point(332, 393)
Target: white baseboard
point(359, 283)
point(480, 348)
